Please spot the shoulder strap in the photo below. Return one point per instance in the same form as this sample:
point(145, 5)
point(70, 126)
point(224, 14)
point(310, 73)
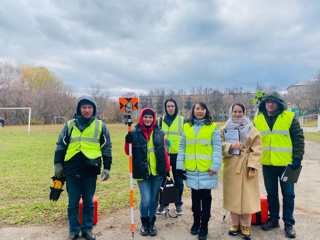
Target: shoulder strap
point(70, 125)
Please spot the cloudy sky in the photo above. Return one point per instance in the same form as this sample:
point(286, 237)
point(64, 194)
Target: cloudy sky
point(146, 44)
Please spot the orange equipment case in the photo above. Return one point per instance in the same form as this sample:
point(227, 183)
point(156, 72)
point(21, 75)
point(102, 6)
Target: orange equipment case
point(262, 216)
point(95, 210)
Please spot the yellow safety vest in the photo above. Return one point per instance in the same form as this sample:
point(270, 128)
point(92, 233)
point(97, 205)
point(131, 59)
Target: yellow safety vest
point(152, 160)
point(87, 141)
point(199, 150)
point(173, 133)
point(276, 143)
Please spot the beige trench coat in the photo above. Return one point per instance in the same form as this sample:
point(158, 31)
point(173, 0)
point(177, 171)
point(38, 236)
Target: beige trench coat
point(241, 194)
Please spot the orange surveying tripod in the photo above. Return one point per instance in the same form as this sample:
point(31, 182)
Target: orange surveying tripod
point(128, 106)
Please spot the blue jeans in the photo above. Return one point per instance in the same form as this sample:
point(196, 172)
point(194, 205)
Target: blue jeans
point(77, 187)
point(271, 176)
point(149, 190)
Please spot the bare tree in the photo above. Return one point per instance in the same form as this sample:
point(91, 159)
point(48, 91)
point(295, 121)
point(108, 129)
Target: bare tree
point(101, 97)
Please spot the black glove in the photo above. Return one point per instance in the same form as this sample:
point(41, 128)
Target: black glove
point(129, 137)
point(56, 188)
point(181, 174)
point(296, 163)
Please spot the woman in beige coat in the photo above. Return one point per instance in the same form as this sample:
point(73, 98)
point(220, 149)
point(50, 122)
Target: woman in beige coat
point(241, 161)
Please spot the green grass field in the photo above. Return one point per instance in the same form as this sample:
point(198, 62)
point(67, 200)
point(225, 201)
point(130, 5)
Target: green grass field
point(26, 168)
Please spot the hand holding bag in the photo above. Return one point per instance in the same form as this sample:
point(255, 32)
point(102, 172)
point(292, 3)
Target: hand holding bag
point(168, 192)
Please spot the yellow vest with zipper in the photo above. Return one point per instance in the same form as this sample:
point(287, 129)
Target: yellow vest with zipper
point(199, 150)
point(152, 160)
point(173, 133)
point(276, 143)
point(87, 141)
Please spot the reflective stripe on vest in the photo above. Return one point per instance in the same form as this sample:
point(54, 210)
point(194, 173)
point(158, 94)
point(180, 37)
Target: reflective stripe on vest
point(199, 150)
point(276, 143)
point(87, 141)
point(152, 160)
point(173, 133)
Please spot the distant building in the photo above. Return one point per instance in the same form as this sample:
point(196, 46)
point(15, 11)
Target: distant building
point(300, 88)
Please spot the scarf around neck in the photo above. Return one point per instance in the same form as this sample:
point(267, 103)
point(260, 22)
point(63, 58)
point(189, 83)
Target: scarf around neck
point(244, 125)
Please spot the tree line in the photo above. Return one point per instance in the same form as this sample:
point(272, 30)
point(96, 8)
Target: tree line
point(53, 102)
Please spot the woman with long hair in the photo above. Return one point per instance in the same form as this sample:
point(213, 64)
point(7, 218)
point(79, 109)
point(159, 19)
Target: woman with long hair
point(200, 156)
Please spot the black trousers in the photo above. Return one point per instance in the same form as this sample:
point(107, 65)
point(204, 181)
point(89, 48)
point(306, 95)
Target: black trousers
point(201, 205)
point(177, 179)
point(271, 175)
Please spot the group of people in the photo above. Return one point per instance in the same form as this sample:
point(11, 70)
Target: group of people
point(193, 149)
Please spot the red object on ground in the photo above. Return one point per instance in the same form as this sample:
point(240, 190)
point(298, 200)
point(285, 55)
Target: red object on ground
point(262, 216)
point(95, 210)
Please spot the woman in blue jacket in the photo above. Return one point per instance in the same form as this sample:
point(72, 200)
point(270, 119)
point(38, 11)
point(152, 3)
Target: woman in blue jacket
point(200, 154)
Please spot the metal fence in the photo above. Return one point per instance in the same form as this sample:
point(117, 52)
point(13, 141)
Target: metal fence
point(310, 122)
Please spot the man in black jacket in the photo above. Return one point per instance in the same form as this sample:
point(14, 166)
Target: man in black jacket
point(81, 145)
point(283, 144)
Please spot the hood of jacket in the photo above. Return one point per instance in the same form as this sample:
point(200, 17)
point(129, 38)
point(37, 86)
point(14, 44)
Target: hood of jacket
point(140, 121)
point(81, 121)
point(275, 97)
point(146, 130)
point(89, 100)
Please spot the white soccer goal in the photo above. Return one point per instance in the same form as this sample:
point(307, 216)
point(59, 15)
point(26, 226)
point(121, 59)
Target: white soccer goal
point(21, 108)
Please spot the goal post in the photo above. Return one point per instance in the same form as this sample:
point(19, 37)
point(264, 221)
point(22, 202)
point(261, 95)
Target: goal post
point(21, 108)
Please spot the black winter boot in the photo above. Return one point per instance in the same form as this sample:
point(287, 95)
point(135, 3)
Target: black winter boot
point(144, 230)
point(88, 235)
point(203, 231)
point(196, 225)
point(152, 229)
point(289, 230)
point(73, 236)
point(270, 224)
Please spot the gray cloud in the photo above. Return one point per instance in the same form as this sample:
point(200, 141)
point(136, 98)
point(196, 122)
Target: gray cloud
point(168, 44)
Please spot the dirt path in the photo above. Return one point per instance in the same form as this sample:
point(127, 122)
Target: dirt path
point(115, 226)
